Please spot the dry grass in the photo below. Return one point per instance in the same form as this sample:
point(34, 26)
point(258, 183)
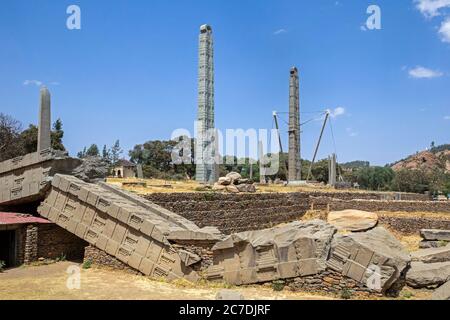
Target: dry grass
point(171, 186)
point(49, 282)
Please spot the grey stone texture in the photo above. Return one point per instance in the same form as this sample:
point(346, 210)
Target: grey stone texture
point(206, 146)
point(428, 275)
point(352, 220)
point(294, 164)
point(332, 170)
point(431, 255)
point(426, 244)
point(229, 295)
point(435, 235)
point(363, 256)
point(92, 169)
point(443, 292)
point(26, 179)
point(289, 251)
point(123, 225)
point(44, 128)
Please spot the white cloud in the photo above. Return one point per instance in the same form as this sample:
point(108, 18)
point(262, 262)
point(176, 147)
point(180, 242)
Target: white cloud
point(339, 111)
point(431, 8)
point(424, 73)
point(447, 118)
point(32, 82)
point(351, 132)
point(444, 31)
point(280, 31)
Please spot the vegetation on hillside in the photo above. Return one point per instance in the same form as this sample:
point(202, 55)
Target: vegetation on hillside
point(15, 142)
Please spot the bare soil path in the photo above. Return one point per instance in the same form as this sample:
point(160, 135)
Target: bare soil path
point(49, 282)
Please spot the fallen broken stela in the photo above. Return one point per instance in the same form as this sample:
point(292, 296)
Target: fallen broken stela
point(142, 234)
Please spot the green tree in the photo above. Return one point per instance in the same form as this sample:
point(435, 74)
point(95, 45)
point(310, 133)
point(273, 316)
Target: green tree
point(92, 151)
point(57, 136)
point(29, 139)
point(116, 152)
point(10, 129)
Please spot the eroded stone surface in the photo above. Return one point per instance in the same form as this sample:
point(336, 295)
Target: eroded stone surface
point(353, 220)
point(441, 254)
point(130, 228)
point(434, 234)
point(229, 295)
point(443, 292)
point(292, 250)
point(375, 257)
point(422, 275)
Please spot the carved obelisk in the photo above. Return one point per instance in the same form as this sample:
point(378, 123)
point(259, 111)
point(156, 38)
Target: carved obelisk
point(44, 131)
point(206, 149)
point(294, 172)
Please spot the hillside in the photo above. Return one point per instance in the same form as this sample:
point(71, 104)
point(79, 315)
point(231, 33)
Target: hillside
point(435, 158)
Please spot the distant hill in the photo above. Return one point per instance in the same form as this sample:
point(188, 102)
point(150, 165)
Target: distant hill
point(355, 164)
point(435, 158)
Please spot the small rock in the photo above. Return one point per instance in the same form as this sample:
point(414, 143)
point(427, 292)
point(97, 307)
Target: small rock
point(442, 293)
point(232, 189)
point(353, 220)
point(218, 187)
point(229, 295)
point(246, 188)
point(425, 244)
point(434, 234)
point(225, 181)
point(242, 181)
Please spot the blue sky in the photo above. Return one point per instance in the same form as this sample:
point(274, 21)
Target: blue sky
point(130, 73)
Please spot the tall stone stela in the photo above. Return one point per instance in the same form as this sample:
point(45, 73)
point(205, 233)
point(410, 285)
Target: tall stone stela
point(44, 130)
point(294, 170)
point(206, 147)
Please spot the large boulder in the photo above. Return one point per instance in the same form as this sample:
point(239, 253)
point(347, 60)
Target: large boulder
point(234, 176)
point(92, 169)
point(432, 255)
point(374, 258)
point(436, 235)
point(218, 187)
point(428, 275)
point(442, 293)
point(232, 189)
point(246, 188)
point(353, 220)
point(288, 251)
point(225, 181)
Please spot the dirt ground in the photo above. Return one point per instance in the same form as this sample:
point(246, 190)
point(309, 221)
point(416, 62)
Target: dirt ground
point(168, 186)
point(50, 282)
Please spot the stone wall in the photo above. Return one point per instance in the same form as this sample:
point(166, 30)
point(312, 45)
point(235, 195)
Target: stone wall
point(331, 282)
point(101, 258)
point(412, 225)
point(244, 212)
point(235, 212)
point(55, 242)
point(322, 203)
point(30, 243)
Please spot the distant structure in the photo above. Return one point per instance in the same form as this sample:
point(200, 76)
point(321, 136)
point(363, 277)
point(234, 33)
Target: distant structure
point(262, 177)
point(206, 171)
point(44, 130)
point(294, 164)
point(332, 170)
point(124, 169)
